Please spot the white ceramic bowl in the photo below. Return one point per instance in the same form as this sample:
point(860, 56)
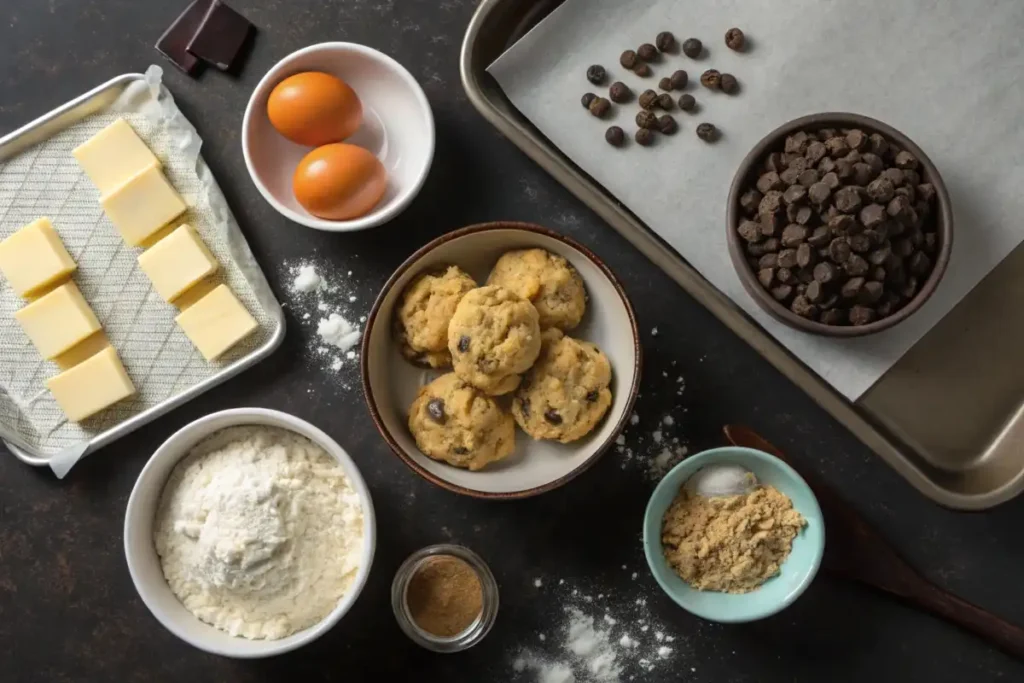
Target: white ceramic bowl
point(144, 564)
point(398, 127)
point(390, 382)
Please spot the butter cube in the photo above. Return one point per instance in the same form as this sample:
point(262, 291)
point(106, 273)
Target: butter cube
point(94, 384)
point(216, 322)
point(177, 262)
point(34, 258)
point(142, 205)
point(114, 156)
point(57, 321)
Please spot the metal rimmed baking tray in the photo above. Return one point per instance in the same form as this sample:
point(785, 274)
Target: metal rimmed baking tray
point(949, 416)
point(39, 177)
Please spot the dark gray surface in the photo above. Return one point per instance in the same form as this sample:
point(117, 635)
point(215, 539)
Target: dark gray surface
point(68, 611)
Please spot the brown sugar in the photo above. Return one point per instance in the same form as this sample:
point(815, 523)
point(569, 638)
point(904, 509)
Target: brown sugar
point(731, 544)
point(444, 596)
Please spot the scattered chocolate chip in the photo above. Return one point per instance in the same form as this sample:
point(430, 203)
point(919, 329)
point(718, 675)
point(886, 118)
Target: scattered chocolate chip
point(766, 276)
point(644, 136)
point(435, 408)
point(794, 194)
point(642, 69)
point(735, 40)
point(463, 344)
point(665, 102)
point(614, 136)
point(620, 92)
point(711, 79)
point(647, 52)
point(678, 79)
point(665, 83)
point(599, 106)
point(552, 416)
point(596, 74)
point(665, 41)
point(628, 59)
point(692, 47)
point(587, 99)
point(750, 231)
point(787, 258)
point(750, 200)
point(819, 192)
point(707, 132)
point(848, 199)
point(648, 99)
point(687, 102)
point(906, 161)
point(769, 181)
point(805, 256)
point(820, 237)
point(667, 124)
point(728, 84)
point(646, 119)
point(592, 396)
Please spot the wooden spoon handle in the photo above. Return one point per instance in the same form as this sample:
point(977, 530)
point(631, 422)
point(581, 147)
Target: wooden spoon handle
point(1002, 634)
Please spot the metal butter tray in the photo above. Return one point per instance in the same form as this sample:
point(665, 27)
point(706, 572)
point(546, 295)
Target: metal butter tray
point(39, 177)
point(947, 416)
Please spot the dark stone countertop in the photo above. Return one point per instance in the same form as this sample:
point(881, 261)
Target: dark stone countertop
point(68, 611)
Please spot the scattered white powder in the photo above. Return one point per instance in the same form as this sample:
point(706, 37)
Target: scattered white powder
point(654, 331)
point(306, 280)
point(338, 332)
point(634, 419)
point(336, 364)
point(626, 641)
point(669, 420)
point(656, 435)
point(664, 651)
point(538, 583)
point(620, 440)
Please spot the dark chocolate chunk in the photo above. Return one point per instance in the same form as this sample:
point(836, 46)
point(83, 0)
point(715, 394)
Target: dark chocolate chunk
point(173, 44)
point(463, 344)
point(692, 48)
point(619, 92)
point(221, 37)
point(596, 74)
point(628, 59)
point(687, 102)
point(552, 416)
point(615, 136)
point(435, 408)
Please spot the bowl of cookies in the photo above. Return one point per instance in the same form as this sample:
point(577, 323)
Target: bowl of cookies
point(501, 360)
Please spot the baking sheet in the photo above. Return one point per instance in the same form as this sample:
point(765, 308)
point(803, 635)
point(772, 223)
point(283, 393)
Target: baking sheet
point(914, 64)
point(45, 180)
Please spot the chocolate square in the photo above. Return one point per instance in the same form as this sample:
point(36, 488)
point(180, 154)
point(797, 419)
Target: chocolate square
point(221, 36)
point(173, 43)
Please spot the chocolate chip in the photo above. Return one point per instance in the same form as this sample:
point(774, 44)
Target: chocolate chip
point(819, 192)
point(592, 395)
point(804, 308)
point(728, 84)
point(648, 99)
point(552, 416)
point(785, 276)
point(872, 215)
point(770, 181)
point(878, 144)
point(463, 344)
point(805, 255)
point(861, 315)
point(926, 192)
point(768, 261)
point(842, 225)
point(644, 136)
point(642, 70)
point(815, 292)
point(771, 245)
point(711, 79)
point(707, 132)
point(435, 408)
point(820, 237)
point(599, 107)
point(620, 92)
point(766, 276)
point(905, 160)
point(857, 140)
point(881, 189)
point(775, 162)
point(460, 450)
point(919, 263)
point(859, 243)
point(667, 124)
point(749, 201)
point(678, 79)
point(596, 74)
point(837, 147)
point(856, 265)
point(735, 40)
point(628, 59)
point(587, 99)
point(787, 258)
point(692, 47)
point(687, 102)
point(847, 199)
point(646, 119)
point(895, 176)
point(782, 292)
point(871, 292)
point(647, 52)
point(665, 83)
point(804, 214)
point(790, 176)
point(665, 41)
point(851, 288)
point(862, 174)
point(665, 101)
point(839, 250)
point(615, 136)
point(834, 316)
point(793, 234)
point(797, 143)
point(794, 194)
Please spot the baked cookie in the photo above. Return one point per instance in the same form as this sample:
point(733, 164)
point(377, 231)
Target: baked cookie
point(566, 393)
point(426, 308)
point(454, 423)
point(548, 281)
point(493, 337)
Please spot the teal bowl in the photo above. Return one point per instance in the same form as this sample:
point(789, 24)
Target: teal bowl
point(776, 593)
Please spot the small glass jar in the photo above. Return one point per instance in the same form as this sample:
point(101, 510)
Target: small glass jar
point(476, 631)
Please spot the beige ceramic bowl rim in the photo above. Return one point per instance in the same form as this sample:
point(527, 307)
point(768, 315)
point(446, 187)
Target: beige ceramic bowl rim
point(944, 224)
point(409, 263)
point(172, 448)
point(378, 216)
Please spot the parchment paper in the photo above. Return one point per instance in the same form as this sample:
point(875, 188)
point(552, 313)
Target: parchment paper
point(948, 74)
point(45, 180)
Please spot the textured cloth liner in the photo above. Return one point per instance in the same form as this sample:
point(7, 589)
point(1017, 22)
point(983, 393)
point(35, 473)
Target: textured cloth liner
point(45, 180)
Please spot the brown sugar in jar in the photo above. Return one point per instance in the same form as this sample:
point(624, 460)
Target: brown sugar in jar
point(444, 596)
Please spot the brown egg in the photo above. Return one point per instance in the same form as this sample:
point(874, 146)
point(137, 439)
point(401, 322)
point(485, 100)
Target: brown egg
point(339, 182)
point(313, 108)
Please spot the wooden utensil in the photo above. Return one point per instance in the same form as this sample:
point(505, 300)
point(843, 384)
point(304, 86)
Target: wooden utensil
point(854, 550)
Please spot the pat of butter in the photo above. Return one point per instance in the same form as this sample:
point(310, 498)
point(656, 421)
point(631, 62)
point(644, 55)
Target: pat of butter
point(177, 262)
point(34, 258)
point(216, 322)
point(114, 156)
point(94, 384)
point(57, 321)
point(142, 205)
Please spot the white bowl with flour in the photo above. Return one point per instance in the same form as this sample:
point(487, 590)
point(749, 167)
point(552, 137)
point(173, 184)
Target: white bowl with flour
point(266, 529)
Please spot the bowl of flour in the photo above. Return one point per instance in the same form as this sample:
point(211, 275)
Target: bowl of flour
point(249, 533)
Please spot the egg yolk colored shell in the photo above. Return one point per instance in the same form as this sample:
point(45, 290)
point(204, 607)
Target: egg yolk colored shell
point(339, 182)
point(314, 108)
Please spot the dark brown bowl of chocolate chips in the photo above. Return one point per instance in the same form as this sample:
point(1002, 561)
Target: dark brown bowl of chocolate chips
point(839, 225)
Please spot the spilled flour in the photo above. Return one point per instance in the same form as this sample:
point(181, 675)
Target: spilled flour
point(328, 306)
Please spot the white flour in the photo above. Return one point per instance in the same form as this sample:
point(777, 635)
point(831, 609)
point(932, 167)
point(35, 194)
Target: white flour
point(259, 532)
